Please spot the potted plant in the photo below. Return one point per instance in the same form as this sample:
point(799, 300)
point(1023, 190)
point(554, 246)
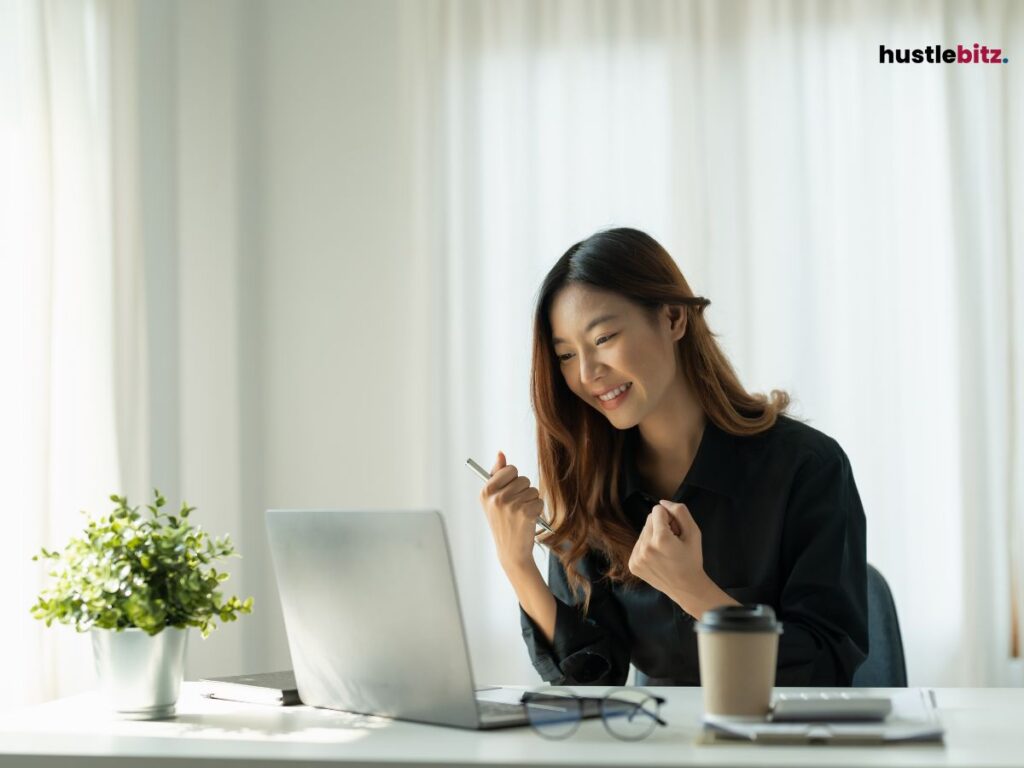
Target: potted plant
point(137, 582)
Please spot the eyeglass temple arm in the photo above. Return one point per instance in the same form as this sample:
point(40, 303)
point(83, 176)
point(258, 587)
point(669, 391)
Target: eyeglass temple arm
point(657, 718)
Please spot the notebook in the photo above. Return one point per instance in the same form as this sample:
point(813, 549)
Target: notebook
point(914, 718)
point(263, 688)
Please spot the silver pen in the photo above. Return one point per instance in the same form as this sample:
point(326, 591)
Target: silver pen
point(485, 475)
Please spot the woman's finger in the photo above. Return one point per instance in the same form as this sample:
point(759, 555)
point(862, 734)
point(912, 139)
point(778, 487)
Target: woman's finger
point(531, 493)
point(659, 518)
point(499, 463)
point(501, 478)
point(514, 489)
point(680, 515)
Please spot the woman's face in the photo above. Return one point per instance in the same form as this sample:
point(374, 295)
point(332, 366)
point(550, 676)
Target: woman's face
point(614, 354)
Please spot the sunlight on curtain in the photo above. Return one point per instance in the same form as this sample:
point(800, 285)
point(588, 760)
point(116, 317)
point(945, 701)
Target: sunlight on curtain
point(59, 452)
point(818, 199)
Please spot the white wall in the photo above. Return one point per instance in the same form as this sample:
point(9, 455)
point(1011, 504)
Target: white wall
point(343, 418)
point(282, 276)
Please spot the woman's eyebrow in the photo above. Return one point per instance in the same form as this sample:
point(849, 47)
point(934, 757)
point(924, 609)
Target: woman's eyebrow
point(590, 325)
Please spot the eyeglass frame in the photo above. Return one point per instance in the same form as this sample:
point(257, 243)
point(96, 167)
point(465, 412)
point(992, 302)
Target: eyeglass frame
point(581, 702)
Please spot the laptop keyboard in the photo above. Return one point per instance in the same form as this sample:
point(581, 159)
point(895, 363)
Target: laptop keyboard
point(498, 708)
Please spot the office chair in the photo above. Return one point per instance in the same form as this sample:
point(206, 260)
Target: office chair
point(885, 666)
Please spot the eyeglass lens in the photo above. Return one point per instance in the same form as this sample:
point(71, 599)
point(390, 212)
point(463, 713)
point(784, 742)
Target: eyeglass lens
point(628, 713)
point(554, 713)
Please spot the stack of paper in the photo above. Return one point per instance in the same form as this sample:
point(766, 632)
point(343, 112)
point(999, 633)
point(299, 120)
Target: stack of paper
point(913, 718)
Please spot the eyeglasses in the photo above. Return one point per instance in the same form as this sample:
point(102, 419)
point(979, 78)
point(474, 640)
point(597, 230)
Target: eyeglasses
point(627, 713)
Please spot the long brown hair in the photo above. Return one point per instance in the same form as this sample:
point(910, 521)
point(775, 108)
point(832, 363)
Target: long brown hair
point(578, 451)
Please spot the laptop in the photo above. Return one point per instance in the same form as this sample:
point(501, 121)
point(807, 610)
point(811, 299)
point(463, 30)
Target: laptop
point(372, 616)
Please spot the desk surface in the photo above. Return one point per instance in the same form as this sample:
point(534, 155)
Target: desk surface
point(984, 727)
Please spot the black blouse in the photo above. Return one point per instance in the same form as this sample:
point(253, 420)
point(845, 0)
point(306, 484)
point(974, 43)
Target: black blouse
point(781, 523)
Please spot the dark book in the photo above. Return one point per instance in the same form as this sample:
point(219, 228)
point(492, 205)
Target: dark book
point(277, 688)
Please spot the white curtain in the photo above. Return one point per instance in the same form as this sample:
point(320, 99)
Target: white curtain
point(856, 225)
point(72, 393)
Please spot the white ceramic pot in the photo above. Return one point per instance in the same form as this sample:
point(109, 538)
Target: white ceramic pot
point(140, 675)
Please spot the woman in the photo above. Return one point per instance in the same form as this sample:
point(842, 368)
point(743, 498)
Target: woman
point(670, 488)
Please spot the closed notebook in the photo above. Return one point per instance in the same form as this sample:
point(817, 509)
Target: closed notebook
point(262, 688)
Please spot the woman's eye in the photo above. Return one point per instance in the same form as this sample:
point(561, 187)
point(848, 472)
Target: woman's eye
point(565, 357)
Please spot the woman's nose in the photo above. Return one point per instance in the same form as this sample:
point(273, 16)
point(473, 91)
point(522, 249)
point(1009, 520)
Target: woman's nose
point(590, 368)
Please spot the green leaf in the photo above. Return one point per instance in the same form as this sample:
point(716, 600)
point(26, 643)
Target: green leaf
point(125, 571)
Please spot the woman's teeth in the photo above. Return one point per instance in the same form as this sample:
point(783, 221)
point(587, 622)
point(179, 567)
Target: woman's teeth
point(615, 392)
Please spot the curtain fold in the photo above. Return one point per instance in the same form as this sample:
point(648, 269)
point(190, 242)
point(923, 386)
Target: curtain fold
point(69, 301)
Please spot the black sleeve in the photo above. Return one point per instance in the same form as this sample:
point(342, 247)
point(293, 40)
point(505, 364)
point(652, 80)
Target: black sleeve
point(587, 650)
point(823, 604)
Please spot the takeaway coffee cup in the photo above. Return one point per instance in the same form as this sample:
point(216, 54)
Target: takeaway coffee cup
point(737, 646)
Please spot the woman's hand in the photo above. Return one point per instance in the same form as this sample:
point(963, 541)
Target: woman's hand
point(668, 556)
point(512, 506)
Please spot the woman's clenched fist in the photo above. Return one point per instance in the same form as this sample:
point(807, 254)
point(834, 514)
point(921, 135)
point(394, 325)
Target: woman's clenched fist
point(512, 507)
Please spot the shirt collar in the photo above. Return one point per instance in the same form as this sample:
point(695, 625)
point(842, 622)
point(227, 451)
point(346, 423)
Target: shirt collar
point(717, 467)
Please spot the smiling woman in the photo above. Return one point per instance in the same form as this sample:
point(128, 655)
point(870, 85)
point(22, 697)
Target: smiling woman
point(671, 489)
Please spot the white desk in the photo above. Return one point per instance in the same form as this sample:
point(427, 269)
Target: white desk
point(984, 727)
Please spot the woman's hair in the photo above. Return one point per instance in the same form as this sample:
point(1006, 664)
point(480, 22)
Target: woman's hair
point(578, 450)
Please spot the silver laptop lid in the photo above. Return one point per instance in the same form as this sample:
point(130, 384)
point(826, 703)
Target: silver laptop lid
point(372, 614)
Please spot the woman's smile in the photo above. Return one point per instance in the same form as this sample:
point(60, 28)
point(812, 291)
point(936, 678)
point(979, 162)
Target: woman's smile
point(613, 399)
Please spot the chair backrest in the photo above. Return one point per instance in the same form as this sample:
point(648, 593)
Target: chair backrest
point(885, 666)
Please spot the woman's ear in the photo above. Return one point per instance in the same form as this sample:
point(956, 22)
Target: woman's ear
point(676, 315)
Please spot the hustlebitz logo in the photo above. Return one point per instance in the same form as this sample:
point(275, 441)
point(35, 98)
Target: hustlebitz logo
point(936, 54)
